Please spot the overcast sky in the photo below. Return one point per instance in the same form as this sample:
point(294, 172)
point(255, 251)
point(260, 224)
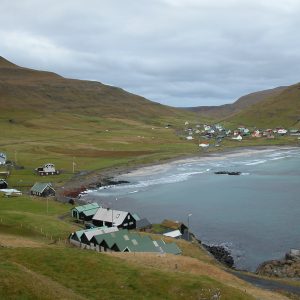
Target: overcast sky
point(176, 52)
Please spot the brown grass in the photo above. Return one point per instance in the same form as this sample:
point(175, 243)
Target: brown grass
point(190, 265)
point(11, 241)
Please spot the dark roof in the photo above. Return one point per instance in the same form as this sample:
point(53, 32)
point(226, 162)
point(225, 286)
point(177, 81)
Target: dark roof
point(142, 223)
point(39, 187)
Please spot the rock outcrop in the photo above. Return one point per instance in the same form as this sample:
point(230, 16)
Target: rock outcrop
point(221, 254)
point(288, 267)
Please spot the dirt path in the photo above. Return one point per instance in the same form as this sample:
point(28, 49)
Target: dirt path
point(268, 284)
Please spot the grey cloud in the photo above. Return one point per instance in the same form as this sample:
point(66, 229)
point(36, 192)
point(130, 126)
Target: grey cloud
point(181, 53)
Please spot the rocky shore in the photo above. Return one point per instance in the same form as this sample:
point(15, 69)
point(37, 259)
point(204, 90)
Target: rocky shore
point(220, 254)
point(288, 267)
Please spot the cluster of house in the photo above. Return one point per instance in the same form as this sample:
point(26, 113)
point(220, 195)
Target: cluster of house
point(217, 132)
point(3, 184)
point(111, 231)
point(41, 189)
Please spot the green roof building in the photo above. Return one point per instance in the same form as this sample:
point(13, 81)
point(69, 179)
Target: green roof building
point(85, 212)
point(42, 189)
point(126, 241)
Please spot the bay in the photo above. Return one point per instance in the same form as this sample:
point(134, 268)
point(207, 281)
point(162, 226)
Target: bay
point(255, 215)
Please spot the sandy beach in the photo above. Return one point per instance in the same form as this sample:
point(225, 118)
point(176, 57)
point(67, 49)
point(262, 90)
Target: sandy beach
point(86, 180)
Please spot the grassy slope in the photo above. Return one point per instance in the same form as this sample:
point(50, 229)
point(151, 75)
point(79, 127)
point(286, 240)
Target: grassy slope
point(47, 118)
point(282, 109)
point(226, 110)
point(32, 266)
point(279, 107)
point(28, 90)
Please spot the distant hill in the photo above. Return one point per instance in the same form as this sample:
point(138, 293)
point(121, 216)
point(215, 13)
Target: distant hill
point(26, 89)
point(269, 108)
point(280, 109)
point(224, 111)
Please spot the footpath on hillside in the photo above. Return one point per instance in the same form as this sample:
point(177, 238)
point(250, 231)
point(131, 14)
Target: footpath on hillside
point(268, 284)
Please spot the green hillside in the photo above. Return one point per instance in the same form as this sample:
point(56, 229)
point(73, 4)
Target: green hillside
point(278, 107)
point(36, 262)
point(227, 110)
point(279, 110)
point(44, 92)
point(45, 117)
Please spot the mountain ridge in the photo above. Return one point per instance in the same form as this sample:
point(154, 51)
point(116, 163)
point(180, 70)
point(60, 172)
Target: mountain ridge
point(34, 90)
point(243, 102)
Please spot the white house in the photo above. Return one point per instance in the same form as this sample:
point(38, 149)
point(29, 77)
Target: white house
point(2, 158)
point(282, 131)
point(237, 138)
point(109, 217)
point(204, 145)
point(189, 138)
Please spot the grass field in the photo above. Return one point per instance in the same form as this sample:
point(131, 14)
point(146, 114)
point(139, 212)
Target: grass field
point(35, 266)
point(39, 264)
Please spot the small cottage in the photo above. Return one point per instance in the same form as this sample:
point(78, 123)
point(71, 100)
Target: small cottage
point(109, 217)
point(2, 158)
point(237, 138)
point(174, 225)
point(42, 189)
point(85, 212)
point(3, 184)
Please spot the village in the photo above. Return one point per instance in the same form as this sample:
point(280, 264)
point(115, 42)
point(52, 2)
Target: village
point(104, 229)
point(213, 135)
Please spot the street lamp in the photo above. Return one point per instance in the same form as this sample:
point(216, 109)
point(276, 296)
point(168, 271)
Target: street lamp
point(189, 215)
point(112, 213)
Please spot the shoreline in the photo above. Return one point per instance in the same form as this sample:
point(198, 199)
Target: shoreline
point(97, 178)
point(86, 180)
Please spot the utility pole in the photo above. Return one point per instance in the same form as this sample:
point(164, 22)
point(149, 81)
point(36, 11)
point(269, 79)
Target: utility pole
point(189, 215)
point(73, 165)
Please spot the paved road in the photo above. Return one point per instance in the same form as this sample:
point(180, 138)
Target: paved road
point(268, 284)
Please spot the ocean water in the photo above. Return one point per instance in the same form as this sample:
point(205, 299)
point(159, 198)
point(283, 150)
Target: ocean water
point(255, 215)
